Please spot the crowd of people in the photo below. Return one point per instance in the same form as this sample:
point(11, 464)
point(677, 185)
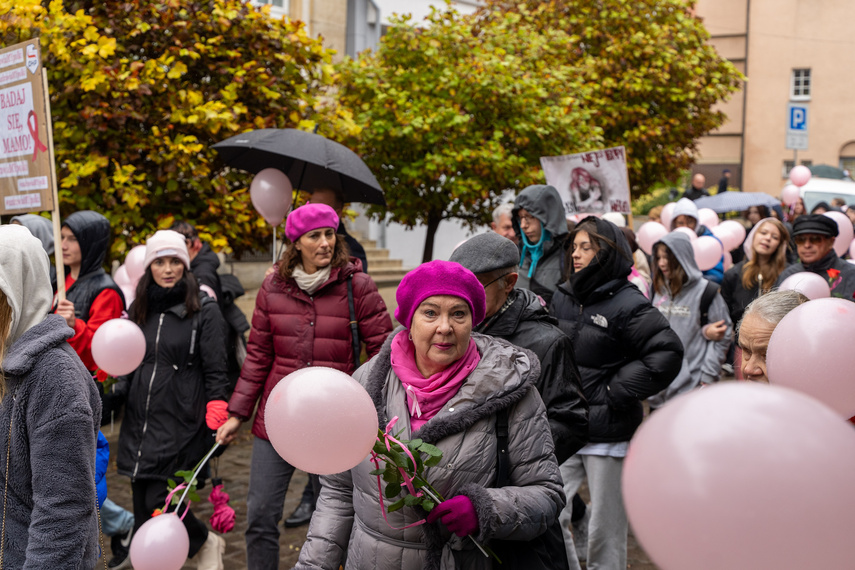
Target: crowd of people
point(529, 359)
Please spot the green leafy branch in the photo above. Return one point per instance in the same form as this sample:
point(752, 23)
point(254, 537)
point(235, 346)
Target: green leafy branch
point(398, 464)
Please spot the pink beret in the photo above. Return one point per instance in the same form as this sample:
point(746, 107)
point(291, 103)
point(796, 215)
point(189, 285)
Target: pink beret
point(309, 217)
point(439, 278)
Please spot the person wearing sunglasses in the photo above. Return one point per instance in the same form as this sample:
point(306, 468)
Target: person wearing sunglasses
point(814, 237)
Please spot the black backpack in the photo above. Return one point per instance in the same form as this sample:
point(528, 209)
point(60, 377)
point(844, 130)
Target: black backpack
point(706, 300)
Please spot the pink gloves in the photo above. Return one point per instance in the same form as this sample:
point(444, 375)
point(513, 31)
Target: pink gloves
point(458, 515)
point(217, 413)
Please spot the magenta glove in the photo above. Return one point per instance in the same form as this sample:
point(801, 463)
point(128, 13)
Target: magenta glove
point(458, 515)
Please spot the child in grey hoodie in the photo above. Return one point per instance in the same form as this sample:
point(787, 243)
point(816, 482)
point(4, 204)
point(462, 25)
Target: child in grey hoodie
point(679, 287)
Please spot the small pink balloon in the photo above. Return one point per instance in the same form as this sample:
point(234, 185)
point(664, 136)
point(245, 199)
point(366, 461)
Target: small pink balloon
point(130, 293)
point(689, 233)
point(648, 234)
point(667, 214)
point(728, 260)
point(790, 194)
point(808, 284)
point(800, 175)
point(118, 347)
point(845, 231)
point(712, 480)
point(135, 264)
point(708, 217)
point(810, 352)
point(271, 195)
point(294, 420)
point(121, 276)
point(708, 252)
point(161, 543)
point(731, 234)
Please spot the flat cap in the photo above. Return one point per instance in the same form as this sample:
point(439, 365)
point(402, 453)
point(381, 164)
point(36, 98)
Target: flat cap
point(815, 224)
point(486, 252)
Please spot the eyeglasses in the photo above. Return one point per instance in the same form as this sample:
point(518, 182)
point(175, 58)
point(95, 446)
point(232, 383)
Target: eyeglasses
point(494, 280)
point(812, 238)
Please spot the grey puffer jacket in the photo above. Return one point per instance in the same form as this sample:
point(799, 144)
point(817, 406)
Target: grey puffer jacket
point(55, 411)
point(349, 522)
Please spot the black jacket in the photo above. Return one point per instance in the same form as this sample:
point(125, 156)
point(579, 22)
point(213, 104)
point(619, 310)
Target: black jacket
point(204, 267)
point(843, 286)
point(735, 294)
point(625, 349)
point(526, 323)
point(164, 428)
point(356, 249)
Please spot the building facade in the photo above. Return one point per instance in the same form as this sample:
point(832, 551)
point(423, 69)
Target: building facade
point(791, 51)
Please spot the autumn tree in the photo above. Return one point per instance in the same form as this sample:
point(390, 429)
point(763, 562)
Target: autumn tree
point(455, 110)
point(141, 89)
point(654, 79)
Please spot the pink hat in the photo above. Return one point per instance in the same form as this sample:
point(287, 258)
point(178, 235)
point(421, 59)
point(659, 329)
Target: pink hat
point(309, 217)
point(166, 243)
point(439, 278)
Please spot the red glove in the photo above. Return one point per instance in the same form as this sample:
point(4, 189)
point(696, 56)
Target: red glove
point(458, 515)
point(217, 413)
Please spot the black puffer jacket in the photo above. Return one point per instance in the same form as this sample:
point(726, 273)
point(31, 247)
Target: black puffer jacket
point(204, 267)
point(92, 231)
point(734, 293)
point(164, 428)
point(625, 349)
point(526, 323)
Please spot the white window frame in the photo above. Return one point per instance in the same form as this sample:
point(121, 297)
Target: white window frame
point(801, 74)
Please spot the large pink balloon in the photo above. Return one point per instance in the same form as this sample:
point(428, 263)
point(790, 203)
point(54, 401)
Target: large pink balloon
point(708, 252)
point(728, 260)
point(687, 232)
point(648, 234)
point(297, 419)
point(708, 217)
point(845, 231)
point(790, 194)
point(800, 175)
point(667, 214)
point(731, 234)
point(121, 277)
point(118, 347)
point(271, 195)
point(808, 284)
point(714, 478)
point(130, 293)
point(135, 263)
point(810, 350)
point(161, 543)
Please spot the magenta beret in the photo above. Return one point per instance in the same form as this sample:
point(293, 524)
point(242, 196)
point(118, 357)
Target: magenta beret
point(309, 217)
point(439, 278)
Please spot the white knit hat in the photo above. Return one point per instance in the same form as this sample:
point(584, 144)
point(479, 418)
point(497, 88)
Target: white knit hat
point(684, 207)
point(166, 243)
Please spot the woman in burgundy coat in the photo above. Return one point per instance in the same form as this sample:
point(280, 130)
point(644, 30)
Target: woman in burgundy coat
point(301, 319)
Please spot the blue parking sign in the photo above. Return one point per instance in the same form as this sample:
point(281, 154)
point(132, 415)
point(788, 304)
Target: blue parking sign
point(798, 118)
point(797, 126)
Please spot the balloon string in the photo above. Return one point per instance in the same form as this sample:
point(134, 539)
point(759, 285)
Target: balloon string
point(198, 468)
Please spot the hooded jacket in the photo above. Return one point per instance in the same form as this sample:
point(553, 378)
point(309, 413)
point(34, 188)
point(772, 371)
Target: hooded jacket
point(54, 410)
point(204, 267)
point(42, 228)
point(624, 347)
point(544, 203)
point(842, 284)
point(349, 520)
point(702, 358)
point(292, 330)
point(525, 322)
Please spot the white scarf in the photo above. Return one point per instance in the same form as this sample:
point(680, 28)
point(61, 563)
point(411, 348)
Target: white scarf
point(311, 282)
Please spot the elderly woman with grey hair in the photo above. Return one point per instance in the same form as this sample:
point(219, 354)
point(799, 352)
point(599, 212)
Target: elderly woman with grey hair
point(756, 328)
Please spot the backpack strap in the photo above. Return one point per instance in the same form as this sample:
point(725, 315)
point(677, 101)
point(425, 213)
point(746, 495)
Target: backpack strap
point(503, 462)
point(203, 300)
point(706, 300)
point(354, 329)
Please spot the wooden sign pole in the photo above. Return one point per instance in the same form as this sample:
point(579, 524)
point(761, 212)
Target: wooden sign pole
point(57, 237)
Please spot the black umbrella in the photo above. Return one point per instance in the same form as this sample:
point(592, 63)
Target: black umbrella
point(310, 161)
point(827, 171)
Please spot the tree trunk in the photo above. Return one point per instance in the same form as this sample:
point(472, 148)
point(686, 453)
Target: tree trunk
point(432, 226)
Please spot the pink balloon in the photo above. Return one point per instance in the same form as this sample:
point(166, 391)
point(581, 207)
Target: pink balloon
point(118, 347)
point(713, 479)
point(708, 217)
point(852, 251)
point(121, 276)
point(271, 195)
point(689, 233)
point(130, 294)
point(161, 543)
point(800, 175)
point(294, 419)
point(808, 284)
point(810, 351)
point(790, 194)
point(708, 252)
point(728, 260)
point(667, 214)
point(845, 231)
point(648, 234)
point(135, 263)
point(731, 234)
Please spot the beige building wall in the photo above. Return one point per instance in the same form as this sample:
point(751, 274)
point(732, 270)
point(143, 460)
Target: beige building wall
point(327, 18)
point(782, 35)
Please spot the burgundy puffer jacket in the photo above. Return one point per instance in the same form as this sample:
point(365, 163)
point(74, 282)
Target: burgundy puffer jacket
point(291, 330)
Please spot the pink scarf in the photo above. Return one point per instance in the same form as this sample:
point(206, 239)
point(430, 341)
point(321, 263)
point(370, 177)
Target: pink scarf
point(427, 396)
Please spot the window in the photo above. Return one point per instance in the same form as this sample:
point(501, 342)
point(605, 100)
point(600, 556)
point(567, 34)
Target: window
point(800, 85)
point(789, 164)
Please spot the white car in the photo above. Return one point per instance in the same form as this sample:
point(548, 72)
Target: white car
point(825, 190)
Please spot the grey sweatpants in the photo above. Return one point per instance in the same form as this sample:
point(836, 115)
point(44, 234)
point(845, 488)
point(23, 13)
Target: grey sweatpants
point(607, 528)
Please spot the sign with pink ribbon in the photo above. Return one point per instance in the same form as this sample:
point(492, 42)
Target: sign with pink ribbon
point(593, 182)
point(25, 159)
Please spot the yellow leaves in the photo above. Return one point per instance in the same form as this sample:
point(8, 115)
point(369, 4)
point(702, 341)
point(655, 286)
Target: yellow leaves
point(92, 82)
point(177, 71)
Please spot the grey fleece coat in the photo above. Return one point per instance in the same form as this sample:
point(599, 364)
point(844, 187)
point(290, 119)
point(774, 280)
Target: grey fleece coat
point(348, 521)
